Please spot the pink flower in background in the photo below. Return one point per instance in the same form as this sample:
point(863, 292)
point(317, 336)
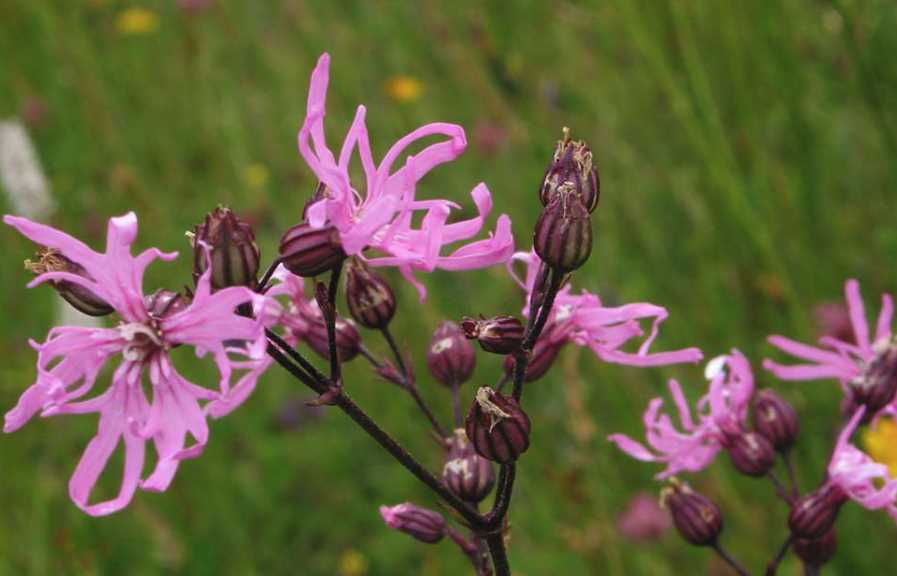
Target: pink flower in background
point(583, 320)
point(643, 519)
point(720, 413)
point(862, 479)
point(71, 358)
point(382, 219)
point(833, 319)
point(835, 358)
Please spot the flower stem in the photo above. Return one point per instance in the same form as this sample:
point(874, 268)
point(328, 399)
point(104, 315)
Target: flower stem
point(335, 368)
point(496, 543)
point(728, 559)
point(773, 565)
point(263, 283)
point(792, 477)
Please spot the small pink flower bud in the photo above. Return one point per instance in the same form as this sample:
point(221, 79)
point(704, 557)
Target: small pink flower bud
point(468, 475)
point(876, 387)
point(81, 298)
point(696, 518)
point(817, 552)
point(774, 419)
point(751, 453)
point(228, 243)
point(571, 172)
point(814, 514)
point(419, 523)
point(309, 252)
point(163, 303)
point(563, 237)
point(348, 340)
point(540, 360)
point(370, 299)
point(499, 334)
point(498, 428)
point(450, 357)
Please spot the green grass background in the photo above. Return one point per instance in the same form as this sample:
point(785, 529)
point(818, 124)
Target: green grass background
point(747, 154)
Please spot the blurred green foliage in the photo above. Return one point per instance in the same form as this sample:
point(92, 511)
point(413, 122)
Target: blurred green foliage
point(747, 154)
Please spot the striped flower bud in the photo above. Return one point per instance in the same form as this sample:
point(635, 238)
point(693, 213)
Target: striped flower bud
point(696, 518)
point(571, 172)
point(370, 299)
point(450, 357)
point(499, 334)
point(750, 453)
point(563, 237)
point(774, 419)
point(163, 303)
point(348, 340)
point(815, 513)
point(817, 552)
point(419, 523)
point(81, 298)
point(309, 252)
point(467, 474)
point(876, 387)
point(497, 427)
point(228, 243)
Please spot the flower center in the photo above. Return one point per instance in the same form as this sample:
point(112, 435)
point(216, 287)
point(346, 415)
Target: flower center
point(142, 339)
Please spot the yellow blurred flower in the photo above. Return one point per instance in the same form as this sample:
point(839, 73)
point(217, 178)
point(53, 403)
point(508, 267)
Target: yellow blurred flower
point(881, 443)
point(256, 176)
point(404, 88)
point(137, 21)
point(352, 563)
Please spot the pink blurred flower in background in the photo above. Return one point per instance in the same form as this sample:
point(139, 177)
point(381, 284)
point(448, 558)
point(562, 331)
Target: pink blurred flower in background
point(833, 319)
point(582, 319)
point(721, 414)
point(382, 219)
point(71, 358)
point(643, 519)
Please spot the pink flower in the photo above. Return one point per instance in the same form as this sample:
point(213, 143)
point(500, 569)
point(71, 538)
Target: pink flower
point(583, 320)
point(845, 361)
point(382, 218)
point(861, 478)
point(71, 358)
point(721, 414)
point(643, 519)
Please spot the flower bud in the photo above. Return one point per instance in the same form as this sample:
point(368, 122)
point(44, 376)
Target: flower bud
point(500, 334)
point(82, 299)
point(163, 303)
point(571, 172)
point(815, 513)
point(774, 419)
point(228, 243)
point(468, 475)
point(450, 357)
point(696, 518)
point(817, 552)
point(563, 237)
point(424, 525)
point(751, 453)
point(497, 426)
point(876, 387)
point(540, 360)
point(370, 299)
point(348, 340)
point(308, 252)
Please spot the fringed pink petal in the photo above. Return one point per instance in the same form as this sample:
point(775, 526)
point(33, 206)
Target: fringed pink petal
point(857, 313)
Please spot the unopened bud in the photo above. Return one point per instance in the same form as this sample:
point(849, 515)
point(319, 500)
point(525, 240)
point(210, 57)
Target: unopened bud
point(500, 334)
point(163, 303)
point(571, 172)
point(774, 419)
point(81, 298)
point(498, 428)
point(419, 523)
point(450, 357)
point(309, 252)
point(696, 518)
point(540, 359)
point(876, 387)
point(348, 340)
point(468, 475)
point(814, 514)
point(751, 453)
point(228, 243)
point(563, 237)
point(370, 299)
point(817, 552)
